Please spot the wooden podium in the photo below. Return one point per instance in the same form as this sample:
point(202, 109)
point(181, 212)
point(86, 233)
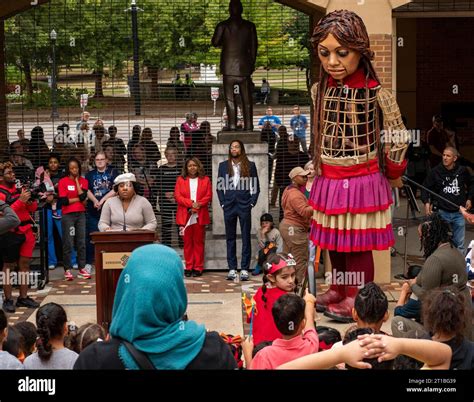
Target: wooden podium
point(112, 250)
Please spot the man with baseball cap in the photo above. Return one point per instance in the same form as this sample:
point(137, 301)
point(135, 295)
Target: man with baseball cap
point(296, 221)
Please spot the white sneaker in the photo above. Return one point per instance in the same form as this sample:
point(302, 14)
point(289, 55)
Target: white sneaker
point(244, 275)
point(75, 266)
point(232, 275)
point(88, 268)
point(51, 267)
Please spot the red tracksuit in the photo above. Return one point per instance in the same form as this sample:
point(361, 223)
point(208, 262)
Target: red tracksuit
point(23, 211)
point(194, 235)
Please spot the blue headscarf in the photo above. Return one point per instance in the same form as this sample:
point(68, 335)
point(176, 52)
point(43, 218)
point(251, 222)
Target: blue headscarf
point(149, 303)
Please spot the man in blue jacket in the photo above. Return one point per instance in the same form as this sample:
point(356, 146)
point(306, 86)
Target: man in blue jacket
point(237, 189)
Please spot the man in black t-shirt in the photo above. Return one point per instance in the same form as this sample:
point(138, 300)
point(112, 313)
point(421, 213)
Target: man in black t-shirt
point(167, 175)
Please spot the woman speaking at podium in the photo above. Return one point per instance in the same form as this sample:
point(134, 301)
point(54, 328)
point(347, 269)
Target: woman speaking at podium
point(128, 210)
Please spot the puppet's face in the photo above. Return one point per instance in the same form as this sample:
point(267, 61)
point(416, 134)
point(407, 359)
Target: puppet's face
point(338, 61)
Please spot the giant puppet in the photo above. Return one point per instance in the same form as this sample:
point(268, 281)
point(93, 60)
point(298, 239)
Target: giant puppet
point(359, 143)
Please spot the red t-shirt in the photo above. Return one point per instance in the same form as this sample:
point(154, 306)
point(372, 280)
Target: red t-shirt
point(67, 188)
point(264, 328)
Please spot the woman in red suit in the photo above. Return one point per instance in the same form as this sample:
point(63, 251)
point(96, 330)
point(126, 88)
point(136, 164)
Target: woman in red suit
point(193, 193)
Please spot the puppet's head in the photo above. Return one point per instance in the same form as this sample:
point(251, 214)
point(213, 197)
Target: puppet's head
point(342, 43)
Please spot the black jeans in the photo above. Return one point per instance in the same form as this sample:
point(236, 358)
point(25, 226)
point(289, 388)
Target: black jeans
point(74, 233)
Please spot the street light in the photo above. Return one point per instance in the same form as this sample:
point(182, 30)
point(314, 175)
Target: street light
point(54, 113)
point(135, 88)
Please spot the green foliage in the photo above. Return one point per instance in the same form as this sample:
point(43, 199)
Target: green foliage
point(97, 34)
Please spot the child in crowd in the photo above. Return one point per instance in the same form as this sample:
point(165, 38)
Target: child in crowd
point(367, 349)
point(370, 311)
point(269, 241)
point(15, 344)
point(443, 317)
point(87, 334)
point(28, 331)
point(279, 278)
point(7, 361)
point(51, 321)
point(294, 318)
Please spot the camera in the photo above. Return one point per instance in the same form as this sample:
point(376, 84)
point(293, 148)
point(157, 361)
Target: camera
point(37, 190)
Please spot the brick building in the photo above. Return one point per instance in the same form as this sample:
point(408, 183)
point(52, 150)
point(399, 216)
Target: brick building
point(424, 52)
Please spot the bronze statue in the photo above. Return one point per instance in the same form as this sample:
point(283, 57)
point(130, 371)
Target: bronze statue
point(238, 39)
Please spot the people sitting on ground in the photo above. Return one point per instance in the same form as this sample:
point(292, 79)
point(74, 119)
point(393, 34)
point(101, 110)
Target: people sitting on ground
point(370, 310)
point(7, 361)
point(444, 318)
point(51, 321)
point(408, 304)
point(150, 323)
point(370, 349)
point(128, 211)
point(14, 344)
point(294, 318)
point(269, 241)
point(86, 335)
point(279, 278)
point(28, 331)
point(444, 266)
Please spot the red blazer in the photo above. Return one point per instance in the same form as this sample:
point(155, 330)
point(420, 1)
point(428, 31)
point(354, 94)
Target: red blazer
point(182, 195)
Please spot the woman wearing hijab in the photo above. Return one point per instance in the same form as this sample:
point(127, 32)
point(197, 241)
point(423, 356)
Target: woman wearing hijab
point(151, 320)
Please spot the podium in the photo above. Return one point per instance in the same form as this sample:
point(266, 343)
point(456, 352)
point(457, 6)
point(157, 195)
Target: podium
point(112, 250)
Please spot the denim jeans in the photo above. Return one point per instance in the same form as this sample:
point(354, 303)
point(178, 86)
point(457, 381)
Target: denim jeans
point(457, 223)
point(74, 232)
point(51, 223)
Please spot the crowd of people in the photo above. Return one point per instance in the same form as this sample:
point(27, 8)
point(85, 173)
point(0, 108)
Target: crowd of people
point(90, 180)
point(432, 326)
point(151, 330)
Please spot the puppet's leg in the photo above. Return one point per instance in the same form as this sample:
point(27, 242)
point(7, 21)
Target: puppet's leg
point(359, 271)
point(336, 292)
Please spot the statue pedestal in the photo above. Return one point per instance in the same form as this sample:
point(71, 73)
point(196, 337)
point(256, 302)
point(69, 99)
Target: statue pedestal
point(247, 137)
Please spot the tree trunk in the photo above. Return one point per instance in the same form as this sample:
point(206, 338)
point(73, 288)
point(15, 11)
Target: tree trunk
point(153, 73)
point(99, 89)
point(28, 80)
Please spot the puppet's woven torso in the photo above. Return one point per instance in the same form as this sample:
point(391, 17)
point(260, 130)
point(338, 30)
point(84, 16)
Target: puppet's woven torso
point(352, 197)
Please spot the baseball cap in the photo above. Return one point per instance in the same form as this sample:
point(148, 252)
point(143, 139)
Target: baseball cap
point(298, 171)
point(266, 218)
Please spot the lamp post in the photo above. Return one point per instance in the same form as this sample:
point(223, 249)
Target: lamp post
point(136, 59)
point(54, 113)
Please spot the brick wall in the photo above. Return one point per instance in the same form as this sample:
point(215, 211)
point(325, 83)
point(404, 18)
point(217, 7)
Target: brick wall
point(445, 57)
point(381, 44)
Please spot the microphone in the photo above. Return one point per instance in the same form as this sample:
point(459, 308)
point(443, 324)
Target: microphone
point(124, 221)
